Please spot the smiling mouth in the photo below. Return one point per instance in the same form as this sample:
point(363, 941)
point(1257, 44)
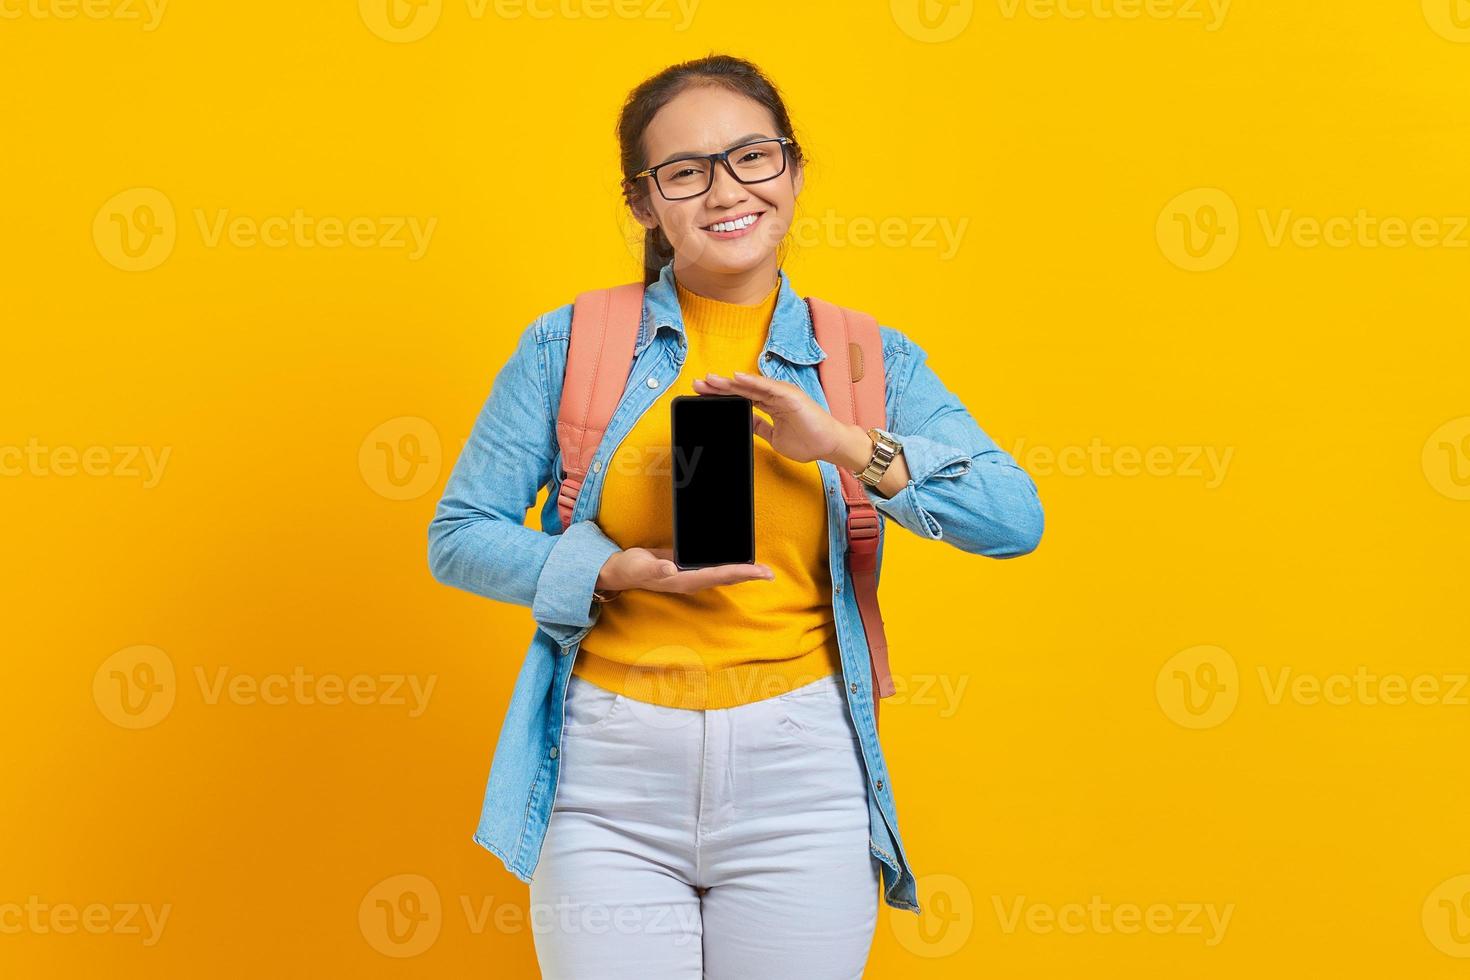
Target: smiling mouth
point(740, 222)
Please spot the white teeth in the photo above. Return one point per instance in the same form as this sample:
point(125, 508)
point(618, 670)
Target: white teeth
point(738, 223)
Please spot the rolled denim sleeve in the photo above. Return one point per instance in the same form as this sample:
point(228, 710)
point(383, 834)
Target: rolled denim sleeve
point(563, 605)
point(478, 540)
point(963, 488)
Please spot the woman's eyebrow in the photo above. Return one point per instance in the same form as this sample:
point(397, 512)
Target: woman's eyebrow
point(682, 154)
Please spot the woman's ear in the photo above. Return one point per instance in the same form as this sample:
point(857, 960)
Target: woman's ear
point(643, 213)
point(796, 180)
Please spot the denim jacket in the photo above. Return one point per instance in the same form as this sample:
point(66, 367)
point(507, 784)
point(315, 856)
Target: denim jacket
point(963, 490)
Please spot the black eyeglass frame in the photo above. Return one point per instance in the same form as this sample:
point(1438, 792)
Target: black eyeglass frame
point(722, 157)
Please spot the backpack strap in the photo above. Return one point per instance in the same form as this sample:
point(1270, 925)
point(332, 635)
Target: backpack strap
point(853, 381)
point(605, 326)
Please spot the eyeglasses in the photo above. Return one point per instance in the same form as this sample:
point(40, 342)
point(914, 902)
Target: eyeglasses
point(691, 176)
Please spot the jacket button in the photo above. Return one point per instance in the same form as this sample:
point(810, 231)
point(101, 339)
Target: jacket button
point(879, 784)
point(653, 382)
point(597, 466)
point(554, 753)
point(852, 687)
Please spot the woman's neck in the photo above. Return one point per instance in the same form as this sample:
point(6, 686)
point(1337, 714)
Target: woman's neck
point(745, 288)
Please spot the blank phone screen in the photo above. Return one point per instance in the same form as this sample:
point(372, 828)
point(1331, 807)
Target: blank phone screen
point(714, 481)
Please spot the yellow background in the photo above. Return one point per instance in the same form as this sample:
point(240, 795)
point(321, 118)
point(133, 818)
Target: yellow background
point(1072, 318)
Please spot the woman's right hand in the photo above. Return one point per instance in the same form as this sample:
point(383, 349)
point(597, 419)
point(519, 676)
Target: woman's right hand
point(654, 569)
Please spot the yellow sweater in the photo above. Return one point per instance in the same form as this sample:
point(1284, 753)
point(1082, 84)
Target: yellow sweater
point(729, 644)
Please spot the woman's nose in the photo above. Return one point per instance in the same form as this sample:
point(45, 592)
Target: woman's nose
point(725, 189)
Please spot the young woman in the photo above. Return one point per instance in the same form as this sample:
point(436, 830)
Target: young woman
point(689, 774)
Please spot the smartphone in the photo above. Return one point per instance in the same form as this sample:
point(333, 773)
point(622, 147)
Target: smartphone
point(714, 480)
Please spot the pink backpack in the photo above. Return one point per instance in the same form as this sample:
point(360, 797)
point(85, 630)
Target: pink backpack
point(605, 326)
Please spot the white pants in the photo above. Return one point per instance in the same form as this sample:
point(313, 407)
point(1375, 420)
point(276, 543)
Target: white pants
point(730, 843)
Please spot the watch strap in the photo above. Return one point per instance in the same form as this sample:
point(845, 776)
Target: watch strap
point(885, 449)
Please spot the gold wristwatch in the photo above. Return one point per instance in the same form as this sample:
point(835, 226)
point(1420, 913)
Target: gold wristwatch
point(885, 448)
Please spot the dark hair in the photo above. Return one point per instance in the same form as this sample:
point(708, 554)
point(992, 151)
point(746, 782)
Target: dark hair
point(735, 74)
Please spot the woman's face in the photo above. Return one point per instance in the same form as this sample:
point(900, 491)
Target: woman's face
point(707, 119)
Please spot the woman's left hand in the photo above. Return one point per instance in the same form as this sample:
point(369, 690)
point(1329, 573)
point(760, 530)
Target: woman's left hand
point(799, 428)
